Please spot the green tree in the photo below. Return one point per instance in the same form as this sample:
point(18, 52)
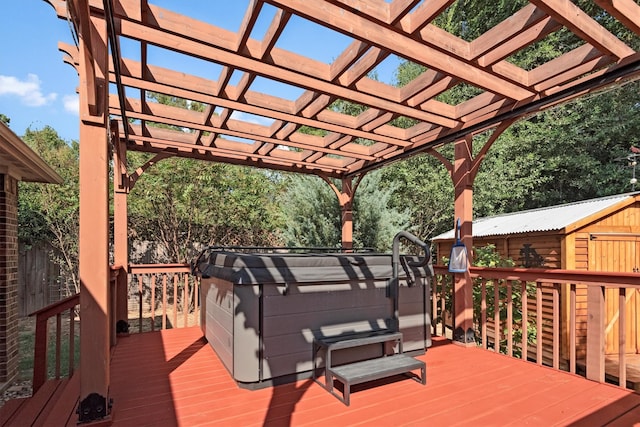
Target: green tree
point(423, 188)
point(312, 214)
point(564, 154)
point(182, 204)
point(49, 213)
point(376, 219)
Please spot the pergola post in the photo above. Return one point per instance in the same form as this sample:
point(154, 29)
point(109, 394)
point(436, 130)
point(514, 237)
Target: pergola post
point(94, 272)
point(345, 198)
point(120, 228)
point(463, 209)
point(346, 211)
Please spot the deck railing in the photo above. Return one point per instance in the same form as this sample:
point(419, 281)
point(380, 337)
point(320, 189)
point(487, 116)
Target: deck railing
point(163, 296)
point(526, 304)
point(41, 347)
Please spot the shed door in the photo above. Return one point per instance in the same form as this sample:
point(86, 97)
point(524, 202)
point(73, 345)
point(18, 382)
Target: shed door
point(618, 253)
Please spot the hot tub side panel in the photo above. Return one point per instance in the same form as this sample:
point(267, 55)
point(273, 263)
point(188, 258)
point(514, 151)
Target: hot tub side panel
point(415, 319)
point(295, 315)
point(231, 324)
point(247, 353)
point(263, 330)
point(217, 316)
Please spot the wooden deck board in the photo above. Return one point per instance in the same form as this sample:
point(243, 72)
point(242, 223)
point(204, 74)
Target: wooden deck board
point(174, 378)
point(62, 404)
point(9, 409)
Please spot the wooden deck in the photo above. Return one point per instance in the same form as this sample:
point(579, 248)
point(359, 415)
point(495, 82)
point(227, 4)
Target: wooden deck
point(174, 378)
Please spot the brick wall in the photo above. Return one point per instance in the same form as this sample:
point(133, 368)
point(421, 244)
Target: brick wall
point(8, 278)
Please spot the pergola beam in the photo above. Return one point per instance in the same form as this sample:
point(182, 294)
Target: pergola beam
point(357, 26)
point(162, 32)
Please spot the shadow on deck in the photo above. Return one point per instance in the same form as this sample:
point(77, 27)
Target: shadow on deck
point(174, 378)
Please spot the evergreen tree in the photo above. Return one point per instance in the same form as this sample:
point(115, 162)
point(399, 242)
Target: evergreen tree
point(312, 214)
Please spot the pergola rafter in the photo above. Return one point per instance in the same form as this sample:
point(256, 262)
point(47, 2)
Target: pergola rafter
point(378, 30)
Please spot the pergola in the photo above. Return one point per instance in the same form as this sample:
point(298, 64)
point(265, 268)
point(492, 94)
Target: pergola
point(117, 116)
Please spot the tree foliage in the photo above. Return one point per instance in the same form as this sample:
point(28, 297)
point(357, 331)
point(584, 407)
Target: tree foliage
point(376, 219)
point(311, 214)
point(182, 204)
point(49, 213)
point(571, 152)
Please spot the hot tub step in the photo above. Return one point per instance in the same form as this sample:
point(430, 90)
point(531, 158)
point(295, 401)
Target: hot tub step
point(374, 369)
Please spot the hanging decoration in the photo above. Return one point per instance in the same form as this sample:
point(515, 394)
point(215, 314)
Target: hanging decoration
point(458, 258)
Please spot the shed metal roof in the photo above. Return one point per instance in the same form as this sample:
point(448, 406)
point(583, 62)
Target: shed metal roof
point(552, 218)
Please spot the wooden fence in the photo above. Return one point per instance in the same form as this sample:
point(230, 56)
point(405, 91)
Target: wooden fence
point(38, 279)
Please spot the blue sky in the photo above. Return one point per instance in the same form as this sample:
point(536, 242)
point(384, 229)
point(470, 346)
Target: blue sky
point(38, 89)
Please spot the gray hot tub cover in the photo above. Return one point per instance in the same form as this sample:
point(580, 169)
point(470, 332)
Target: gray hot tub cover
point(280, 268)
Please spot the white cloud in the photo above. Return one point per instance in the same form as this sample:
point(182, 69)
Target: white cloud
point(251, 118)
point(71, 104)
point(28, 90)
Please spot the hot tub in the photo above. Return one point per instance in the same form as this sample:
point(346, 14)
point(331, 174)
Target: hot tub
point(261, 311)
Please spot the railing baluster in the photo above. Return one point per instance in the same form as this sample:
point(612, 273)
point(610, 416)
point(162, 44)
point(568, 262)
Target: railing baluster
point(509, 319)
point(622, 340)
point(596, 333)
point(539, 323)
point(496, 316)
point(153, 302)
point(40, 361)
point(483, 308)
point(443, 307)
point(434, 304)
point(58, 343)
point(185, 302)
point(175, 300)
point(556, 326)
point(196, 312)
point(525, 320)
point(72, 340)
point(572, 328)
point(164, 301)
point(140, 302)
